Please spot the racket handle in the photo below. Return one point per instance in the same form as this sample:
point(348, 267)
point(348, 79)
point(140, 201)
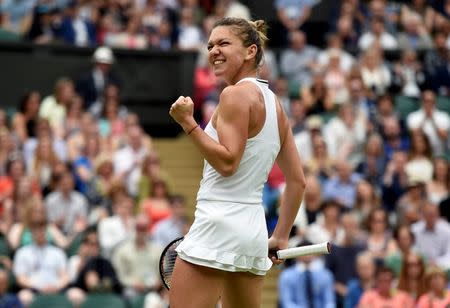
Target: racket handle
point(322, 248)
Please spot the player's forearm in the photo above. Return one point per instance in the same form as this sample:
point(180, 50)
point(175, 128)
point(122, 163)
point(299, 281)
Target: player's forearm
point(216, 154)
point(290, 203)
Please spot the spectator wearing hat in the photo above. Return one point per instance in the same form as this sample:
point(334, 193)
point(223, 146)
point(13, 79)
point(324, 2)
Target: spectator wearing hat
point(92, 85)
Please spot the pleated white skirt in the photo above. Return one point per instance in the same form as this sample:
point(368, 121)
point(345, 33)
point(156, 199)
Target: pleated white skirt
point(228, 236)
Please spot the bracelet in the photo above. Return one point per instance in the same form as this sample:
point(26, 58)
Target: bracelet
point(192, 129)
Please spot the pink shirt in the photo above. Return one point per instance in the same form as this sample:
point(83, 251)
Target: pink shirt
point(425, 301)
point(398, 299)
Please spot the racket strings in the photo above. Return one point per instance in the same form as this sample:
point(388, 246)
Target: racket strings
point(168, 262)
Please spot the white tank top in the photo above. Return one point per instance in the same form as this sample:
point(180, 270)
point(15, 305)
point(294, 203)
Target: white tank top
point(246, 185)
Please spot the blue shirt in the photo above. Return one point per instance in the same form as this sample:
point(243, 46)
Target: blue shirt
point(292, 288)
point(344, 193)
point(354, 292)
point(10, 301)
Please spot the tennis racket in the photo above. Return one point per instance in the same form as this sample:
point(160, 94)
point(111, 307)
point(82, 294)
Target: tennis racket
point(169, 256)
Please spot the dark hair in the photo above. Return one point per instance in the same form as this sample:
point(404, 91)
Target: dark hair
point(177, 198)
point(23, 102)
point(397, 230)
point(250, 32)
point(381, 269)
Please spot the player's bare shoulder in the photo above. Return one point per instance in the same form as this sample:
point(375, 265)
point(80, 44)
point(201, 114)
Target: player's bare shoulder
point(243, 94)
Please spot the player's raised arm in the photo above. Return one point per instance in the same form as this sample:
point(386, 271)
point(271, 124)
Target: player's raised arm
point(232, 118)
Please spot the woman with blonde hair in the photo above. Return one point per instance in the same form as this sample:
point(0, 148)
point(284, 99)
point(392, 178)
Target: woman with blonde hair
point(44, 160)
point(437, 296)
point(20, 233)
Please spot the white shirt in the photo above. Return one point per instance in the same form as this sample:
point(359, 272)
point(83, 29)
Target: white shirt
point(387, 41)
point(442, 121)
point(41, 265)
point(112, 231)
point(127, 160)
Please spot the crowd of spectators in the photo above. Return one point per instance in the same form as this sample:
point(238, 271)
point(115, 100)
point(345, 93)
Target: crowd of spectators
point(370, 115)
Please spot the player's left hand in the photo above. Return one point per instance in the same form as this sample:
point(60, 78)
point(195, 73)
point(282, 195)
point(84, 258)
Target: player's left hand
point(274, 245)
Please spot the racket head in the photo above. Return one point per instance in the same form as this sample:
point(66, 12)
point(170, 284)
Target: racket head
point(167, 262)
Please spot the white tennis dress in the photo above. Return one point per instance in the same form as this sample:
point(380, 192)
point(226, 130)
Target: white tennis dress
point(229, 231)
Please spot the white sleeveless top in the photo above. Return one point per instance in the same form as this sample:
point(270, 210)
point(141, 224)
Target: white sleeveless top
point(246, 185)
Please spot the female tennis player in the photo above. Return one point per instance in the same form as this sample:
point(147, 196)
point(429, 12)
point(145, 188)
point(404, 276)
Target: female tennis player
point(225, 253)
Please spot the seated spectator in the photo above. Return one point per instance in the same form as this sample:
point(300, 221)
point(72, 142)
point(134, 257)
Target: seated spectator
point(306, 284)
point(7, 149)
point(24, 121)
point(431, 234)
point(437, 294)
point(334, 43)
point(412, 276)
point(66, 207)
point(43, 161)
point(131, 38)
point(298, 61)
point(83, 165)
point(189, 34)
point(174, 226)
point(304, 139)
point(365, 268)
point(436, 57)
point(374, 160)
point(335, 78)
point(311, 206)
point(54, 107)
point(39, 267)
point(157, 205)
point(44, 130)
point(92, 85)
point(14, 207)
point(7, 299)
point(297, 115)
point(346, 134)
point(321, 164)
point(419, 165)
point(95, 275)
point(342, 262)
point(421, 9)
point(151, 171)
point(74, 28)
point(74, 115)
point(437, 189)
point(404, 239)
point(377, 34)
point(382, 294)
point(415, 35)
point(316, 97)
point(374, 72)
point(409, 76)
point(327, 228)
point(347, 33)
point(395, 180)
point(342, 187)
point(136, 261)
point(20, 233)
point(434, 123)
point(393, 137)
point(113, 230)
point(409, 206)
point(379, 240)
point(367, 199)
point(128, 159)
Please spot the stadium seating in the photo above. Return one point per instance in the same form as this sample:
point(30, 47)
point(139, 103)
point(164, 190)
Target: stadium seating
point(51, 301)
point(103, 300)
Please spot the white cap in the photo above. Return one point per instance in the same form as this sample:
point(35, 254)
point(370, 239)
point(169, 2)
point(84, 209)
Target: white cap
point(104, 55)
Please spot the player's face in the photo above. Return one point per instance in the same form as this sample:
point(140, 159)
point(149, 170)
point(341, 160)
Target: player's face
point(226, 52)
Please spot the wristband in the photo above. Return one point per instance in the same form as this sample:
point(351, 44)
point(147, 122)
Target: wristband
point(192, 129)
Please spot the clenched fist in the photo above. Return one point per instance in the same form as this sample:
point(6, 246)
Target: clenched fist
point(182, 111)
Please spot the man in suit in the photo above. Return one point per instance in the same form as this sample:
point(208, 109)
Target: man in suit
point(307, 284)
point(92, 84)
